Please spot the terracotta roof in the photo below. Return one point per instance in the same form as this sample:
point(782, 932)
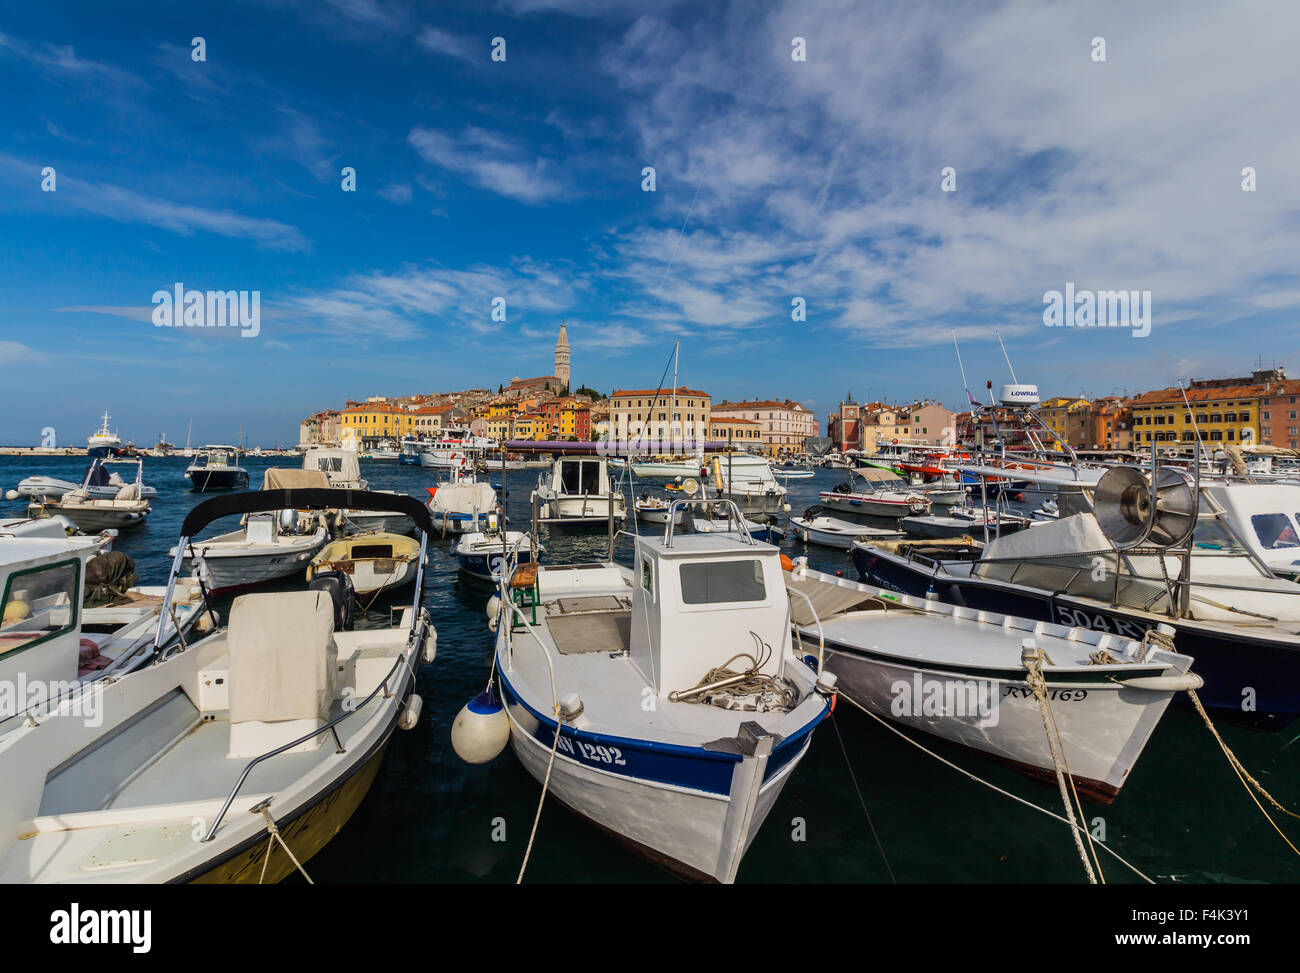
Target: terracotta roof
point(1174, 396)
point(761, 404)
point(734, 419)
point(666, 393)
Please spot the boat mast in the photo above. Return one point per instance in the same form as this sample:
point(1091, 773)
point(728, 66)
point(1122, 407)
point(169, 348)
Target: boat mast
point(672, 410)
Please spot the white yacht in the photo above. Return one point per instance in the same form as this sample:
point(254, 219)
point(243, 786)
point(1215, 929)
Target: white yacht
point(579, 489)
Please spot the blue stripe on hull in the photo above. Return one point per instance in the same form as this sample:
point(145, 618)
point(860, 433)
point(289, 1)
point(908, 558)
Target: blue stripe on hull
point(665, 763)
point(478, 564)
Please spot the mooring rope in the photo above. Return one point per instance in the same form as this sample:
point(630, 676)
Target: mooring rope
point(1248, 781)
point(854, 777)
point(559, 724)
point(274, 831)
point(1039, 686)
point(991, 786)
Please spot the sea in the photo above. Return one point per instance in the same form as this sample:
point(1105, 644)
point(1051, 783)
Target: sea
point(863, 806)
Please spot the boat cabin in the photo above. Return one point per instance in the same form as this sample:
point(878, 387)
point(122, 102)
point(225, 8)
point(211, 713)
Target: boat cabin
point(40, 599)
point(339, 465)
point(700, 599)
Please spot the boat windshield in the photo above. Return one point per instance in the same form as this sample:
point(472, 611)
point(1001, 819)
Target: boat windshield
point(1274, 531)
point(578, 477)
point(1211, 535)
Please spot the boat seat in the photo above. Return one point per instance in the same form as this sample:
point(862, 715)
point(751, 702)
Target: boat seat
point(283, 661)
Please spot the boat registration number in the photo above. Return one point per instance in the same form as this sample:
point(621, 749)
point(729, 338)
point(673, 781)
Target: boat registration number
point(1061, 695)
point(1079, 618)
point(595, 753)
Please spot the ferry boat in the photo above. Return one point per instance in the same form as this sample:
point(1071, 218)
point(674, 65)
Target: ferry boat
point(103, 443)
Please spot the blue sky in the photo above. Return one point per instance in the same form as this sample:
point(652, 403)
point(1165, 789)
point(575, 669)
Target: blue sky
point(522, 179)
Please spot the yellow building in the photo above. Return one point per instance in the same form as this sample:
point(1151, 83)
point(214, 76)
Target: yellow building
point(368, 422)
point(1067, 416)
point(1227, 414)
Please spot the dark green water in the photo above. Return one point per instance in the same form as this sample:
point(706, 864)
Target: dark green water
point(1183, 817)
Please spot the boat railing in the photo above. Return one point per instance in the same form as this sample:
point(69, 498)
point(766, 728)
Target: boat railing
point(821, 636)
point(517, 612)
point(732, 514)
point(331, 727)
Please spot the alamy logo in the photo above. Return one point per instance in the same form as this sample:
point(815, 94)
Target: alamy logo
point(74, 926)
point(179, 308)
point(960, 698)
point(1098, 309)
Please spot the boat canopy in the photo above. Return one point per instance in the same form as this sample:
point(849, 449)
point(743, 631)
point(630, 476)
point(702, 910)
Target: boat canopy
point(257, 501)
point(282, 478)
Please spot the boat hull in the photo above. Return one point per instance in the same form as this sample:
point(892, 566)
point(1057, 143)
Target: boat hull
point(231, 572)
point(1104, 727)
point(683, 807)
point(859, 504)
point(1239, 669)
point(209, 481)
point(489, 566)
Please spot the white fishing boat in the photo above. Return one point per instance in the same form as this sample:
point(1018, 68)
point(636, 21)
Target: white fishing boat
point(814, 527)
point(486, 554)
point(58, 526)
point(965, 521)
point(125, 510)
point(579, 489)
point(52, 645)
point(697, 632)
point(656, 510)
point(881, 493)
point(374, 562)
point(747, 481)
point(234, 760)
point(267, 545)
point(462, 505)
point(967, 676)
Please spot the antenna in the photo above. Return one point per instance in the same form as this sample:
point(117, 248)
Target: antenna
point(1006, 356)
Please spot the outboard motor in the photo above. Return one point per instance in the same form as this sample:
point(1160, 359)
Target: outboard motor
point(341, 592)
point(812, 512)
point(288, 521)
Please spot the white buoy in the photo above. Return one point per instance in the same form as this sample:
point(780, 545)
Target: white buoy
point(481, 730)
point(493, 608)
point(11, 495)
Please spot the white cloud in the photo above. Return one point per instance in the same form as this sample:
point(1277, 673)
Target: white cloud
point(491, 161)
point(128, 206)
point(451, 45)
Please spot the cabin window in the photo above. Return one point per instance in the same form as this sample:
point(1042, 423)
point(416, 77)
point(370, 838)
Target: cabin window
point(39, 604)
point(721, 582)
point(1274, 531)
point(648, 577)
point(1211, 535)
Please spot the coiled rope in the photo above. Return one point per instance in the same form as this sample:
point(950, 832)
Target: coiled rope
point(747, 682)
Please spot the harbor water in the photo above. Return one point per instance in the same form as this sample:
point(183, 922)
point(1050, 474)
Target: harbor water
point(864, 806)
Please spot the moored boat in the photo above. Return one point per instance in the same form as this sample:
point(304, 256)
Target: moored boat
point(216, 468)
point(689, 778)
point(373, 561)
point(235, 759)
point(969, 677)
